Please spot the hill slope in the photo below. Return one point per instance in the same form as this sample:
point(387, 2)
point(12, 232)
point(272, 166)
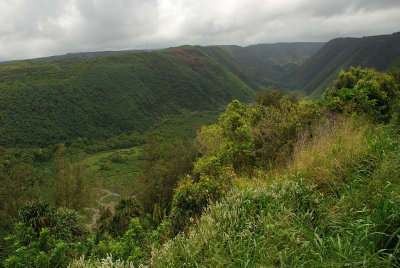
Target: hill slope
point(286, 55)
point(270, 62)
point(46, 102)
point(379, 52)
point(96, 95)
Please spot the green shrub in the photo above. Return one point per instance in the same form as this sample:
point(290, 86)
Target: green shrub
point(45, 237)
point(192, 196)
point(363, 91)
point(276, 128)
point(105, 166)
point(127, 209)
point(119, 158)
point(130, 246)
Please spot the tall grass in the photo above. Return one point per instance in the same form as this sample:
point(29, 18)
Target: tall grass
point(336, 205)
point(330, 155)
point(103, 263)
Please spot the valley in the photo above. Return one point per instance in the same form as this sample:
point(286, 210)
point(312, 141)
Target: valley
point(143, 153)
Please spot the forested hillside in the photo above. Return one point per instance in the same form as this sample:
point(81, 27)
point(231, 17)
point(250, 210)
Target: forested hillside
point(83, 95)
point(200, 157)
point(269, 62)
point(318, 73)
point(46, 102)
point(286, 55)
point(61, 98)
point(281, 182)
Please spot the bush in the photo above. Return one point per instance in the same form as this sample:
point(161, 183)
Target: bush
point(246, 228)
point(119, 158)
point(105, 165)
point(45, 237)
point(276, 128)
point(192, 196)
point(130, 246)
point(127, 209)
point(363, 91)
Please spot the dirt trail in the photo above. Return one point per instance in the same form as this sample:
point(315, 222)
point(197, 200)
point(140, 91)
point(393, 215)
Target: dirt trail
point(110, 205)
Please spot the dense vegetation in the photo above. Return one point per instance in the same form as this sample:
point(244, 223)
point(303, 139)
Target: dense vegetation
point(47, 102)
point(282, 182)
point(133, 159)
point(318, 73)
point(101, 95)
point(286, 55)
point(269, 62)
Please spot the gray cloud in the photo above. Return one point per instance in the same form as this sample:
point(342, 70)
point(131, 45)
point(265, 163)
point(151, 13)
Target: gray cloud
point(47, 27)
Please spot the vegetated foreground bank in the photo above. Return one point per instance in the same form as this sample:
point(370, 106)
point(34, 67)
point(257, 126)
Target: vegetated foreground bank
point(280, 183)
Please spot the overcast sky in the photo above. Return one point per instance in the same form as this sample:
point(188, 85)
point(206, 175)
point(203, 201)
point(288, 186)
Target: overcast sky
point(35, 28)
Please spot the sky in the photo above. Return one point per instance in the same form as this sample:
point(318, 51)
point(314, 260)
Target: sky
point(37, 28)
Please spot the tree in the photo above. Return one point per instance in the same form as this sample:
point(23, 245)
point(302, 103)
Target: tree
point(70, 189)
point(18, 183)
point(161, 169)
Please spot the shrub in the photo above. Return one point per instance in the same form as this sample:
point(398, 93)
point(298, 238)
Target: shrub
point(276, 128)
point(119, 158)
point(130, 246)
point(363, 91)
point(192, 196)
point(127, 209)
point(105, 166)
point(45, 237)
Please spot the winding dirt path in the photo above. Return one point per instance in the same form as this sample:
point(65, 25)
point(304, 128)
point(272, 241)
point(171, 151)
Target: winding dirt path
point(110, 205)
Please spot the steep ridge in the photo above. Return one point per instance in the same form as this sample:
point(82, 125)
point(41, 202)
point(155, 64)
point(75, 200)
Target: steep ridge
point(286, 55)
point(270, 62)
point(265, 72)
point(379, 52)
point(98, 95)
point(46, 102)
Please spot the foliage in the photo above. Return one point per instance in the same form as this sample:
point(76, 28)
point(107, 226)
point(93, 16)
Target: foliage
point(161, 168)
point(280, 183)
point(310, 211)
point(45, 237)
point(128, 246)
point(306, 218)
point(259, 136)
point(277, 122)
point(70, 189)
point(244, 139)
point(127, 209)
point(19, 182)
point(363, 91)
point(192, 196)
point(319, 72)
point(60, 100)
point(275, 97)
point(107, 262)
point(227, 144)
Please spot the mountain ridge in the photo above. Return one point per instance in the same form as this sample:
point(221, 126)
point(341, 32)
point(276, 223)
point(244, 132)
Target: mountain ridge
point(97, 95)
point(320, 70)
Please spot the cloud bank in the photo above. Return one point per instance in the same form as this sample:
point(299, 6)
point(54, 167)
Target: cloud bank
point(48, 27)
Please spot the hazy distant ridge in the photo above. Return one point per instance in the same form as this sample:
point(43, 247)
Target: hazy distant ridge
point(379, 52)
